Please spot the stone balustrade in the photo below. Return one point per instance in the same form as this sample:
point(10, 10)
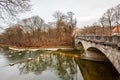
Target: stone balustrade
point(113, 41)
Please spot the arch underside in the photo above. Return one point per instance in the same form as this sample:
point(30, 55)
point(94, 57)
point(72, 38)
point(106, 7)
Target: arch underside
point(96, 54)
point(80, 46)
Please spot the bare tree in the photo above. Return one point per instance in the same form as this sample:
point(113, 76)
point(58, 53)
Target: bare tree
point(33, 27)
point(71, 22)
point(65, 24)
point(111, 18)
point(116, 17)
point(108, 19)
point(59, 24)
point(102, 22)
point(10, 8)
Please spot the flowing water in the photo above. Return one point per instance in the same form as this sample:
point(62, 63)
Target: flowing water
point(52, 65)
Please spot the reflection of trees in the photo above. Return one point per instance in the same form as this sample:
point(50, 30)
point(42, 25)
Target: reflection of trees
point(62, 63)
point(14, 55)
point(63, 66)
point(36, 65)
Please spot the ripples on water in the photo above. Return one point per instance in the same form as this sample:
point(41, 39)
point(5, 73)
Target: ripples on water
point(52, 65)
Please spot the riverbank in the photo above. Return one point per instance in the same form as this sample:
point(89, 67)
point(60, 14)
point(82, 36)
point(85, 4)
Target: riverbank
point(37, 48)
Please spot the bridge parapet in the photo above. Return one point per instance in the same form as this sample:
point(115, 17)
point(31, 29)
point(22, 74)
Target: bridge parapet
point(113, 41)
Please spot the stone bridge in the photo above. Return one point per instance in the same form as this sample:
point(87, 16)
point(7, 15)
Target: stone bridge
point(109, 46)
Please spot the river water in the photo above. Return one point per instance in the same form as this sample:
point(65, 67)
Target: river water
point(52, 65)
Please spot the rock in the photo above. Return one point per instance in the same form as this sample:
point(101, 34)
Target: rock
point(9, 55)
point(11, 64)
point(20, 54)
point(29, 59)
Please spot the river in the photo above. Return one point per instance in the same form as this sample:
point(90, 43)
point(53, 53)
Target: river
point(52, 65)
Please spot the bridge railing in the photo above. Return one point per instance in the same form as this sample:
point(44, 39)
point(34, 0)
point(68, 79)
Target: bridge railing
point(105, 40)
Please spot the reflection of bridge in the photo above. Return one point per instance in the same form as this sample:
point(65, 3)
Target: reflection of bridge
point(96, 70)
point(108, 45)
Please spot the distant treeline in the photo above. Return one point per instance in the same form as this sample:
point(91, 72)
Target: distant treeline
point(34, 32)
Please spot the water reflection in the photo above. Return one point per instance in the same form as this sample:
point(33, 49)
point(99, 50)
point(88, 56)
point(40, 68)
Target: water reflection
point(59, 64)
point(64, 67)
point(92, 70)
point(49, 65)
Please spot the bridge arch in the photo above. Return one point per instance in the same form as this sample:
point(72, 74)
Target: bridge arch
point(80, 46)
point(94, 49)
point(96, 54)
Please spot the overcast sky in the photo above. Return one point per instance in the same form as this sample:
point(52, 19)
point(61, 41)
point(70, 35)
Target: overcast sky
point(86, 11)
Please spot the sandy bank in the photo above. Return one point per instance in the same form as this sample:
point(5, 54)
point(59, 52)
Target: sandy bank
point(35, 49)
